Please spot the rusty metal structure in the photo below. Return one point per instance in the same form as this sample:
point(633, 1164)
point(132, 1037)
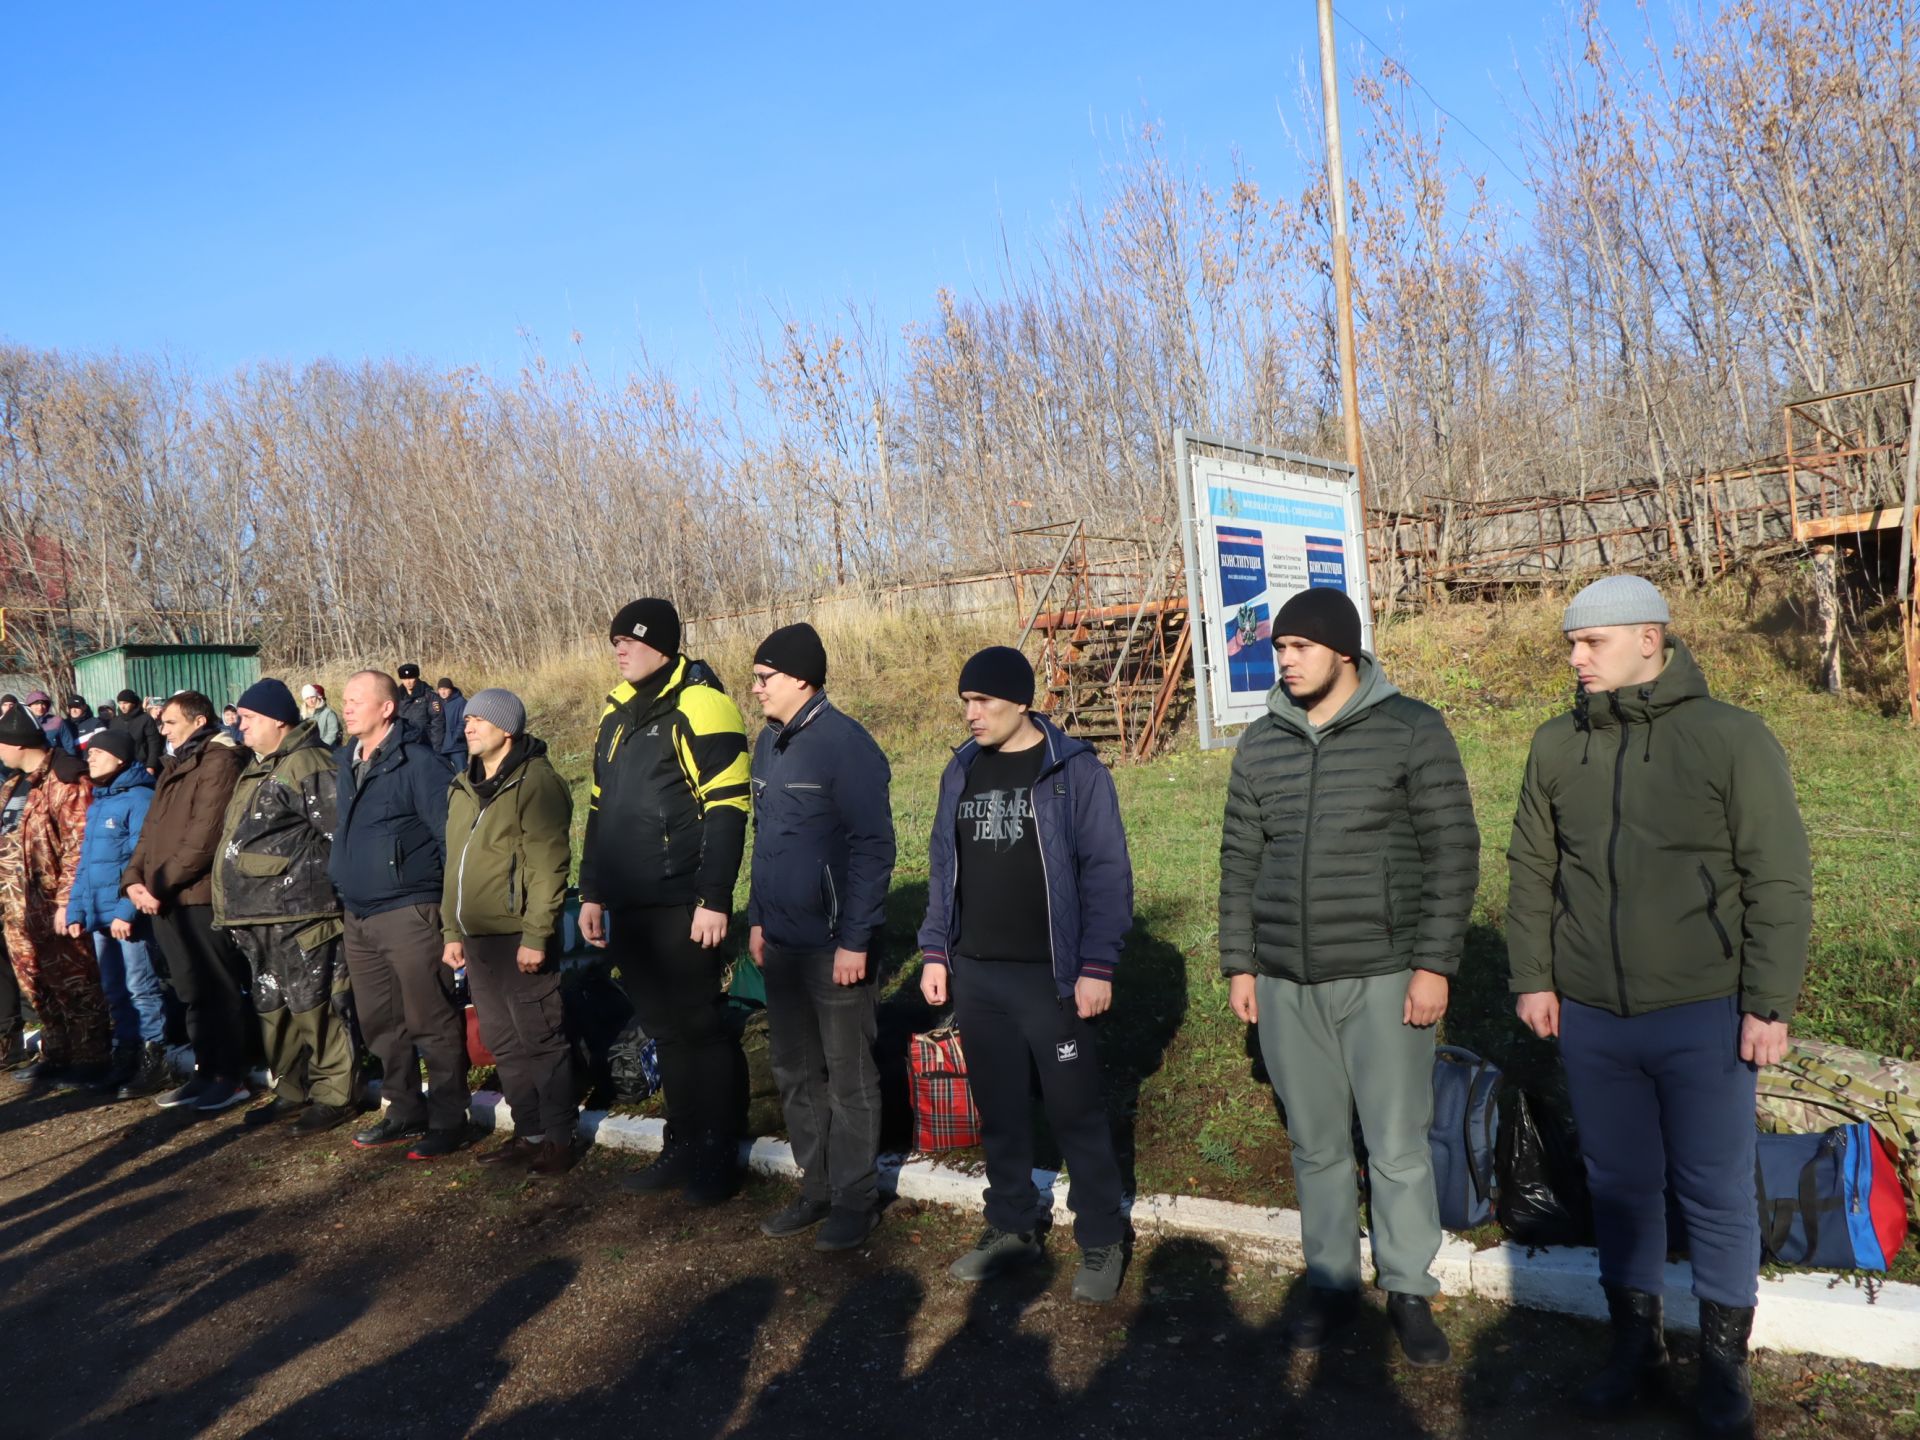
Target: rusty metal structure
point(1110, 615)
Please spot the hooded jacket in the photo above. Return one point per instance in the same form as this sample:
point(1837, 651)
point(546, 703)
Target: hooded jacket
point(40, 861)
point(1083, 849)
point(278, 834)
point(174, 854)
point(509, 848)
point(114, 821)
point(667, 823)
point(391, 847)
point(1349, 849)
point(1658, 856)
point(823, 844)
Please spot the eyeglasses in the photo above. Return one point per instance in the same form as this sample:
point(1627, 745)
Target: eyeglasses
point(761, 681)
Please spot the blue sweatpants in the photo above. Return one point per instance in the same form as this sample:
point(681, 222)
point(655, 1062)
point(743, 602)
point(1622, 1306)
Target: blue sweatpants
point(1664, 1099)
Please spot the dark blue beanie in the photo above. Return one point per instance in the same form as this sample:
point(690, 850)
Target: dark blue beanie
point(272, 699)
point(1000, 671)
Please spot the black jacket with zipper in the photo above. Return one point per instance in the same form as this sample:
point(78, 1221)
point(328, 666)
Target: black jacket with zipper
point(390, 849)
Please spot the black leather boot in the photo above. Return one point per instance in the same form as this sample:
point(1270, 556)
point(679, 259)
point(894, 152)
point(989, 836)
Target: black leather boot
point(124, 1065)
point(1638, 1364)
point(670, 1171)
point(1724, 1403)
point(716, 1171)
point(151, 1078)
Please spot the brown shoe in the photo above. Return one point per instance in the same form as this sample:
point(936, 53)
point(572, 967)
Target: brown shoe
point(557, 1157)
point(514, 1152)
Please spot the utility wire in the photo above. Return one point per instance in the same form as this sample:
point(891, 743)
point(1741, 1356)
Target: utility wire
point(1399, 65)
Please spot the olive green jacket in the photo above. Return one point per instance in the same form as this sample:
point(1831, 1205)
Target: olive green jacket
point(508, 850)
point(1658, 856)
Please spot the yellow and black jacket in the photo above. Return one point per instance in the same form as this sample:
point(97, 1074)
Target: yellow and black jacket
point(667, 823)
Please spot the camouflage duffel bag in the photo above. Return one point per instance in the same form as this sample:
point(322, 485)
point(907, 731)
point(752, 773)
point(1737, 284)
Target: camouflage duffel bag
point(1819, 1086)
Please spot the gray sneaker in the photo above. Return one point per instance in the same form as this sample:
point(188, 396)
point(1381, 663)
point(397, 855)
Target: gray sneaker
point(994, 1253)
point(1101, 1269)
point(802, 1214)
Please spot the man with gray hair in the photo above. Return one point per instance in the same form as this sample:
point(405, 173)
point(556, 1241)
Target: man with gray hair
point(1657, 924)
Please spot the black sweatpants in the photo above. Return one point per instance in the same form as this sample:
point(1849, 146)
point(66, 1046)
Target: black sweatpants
point(675, 989)
point(405, 1000)
point(522, 1024)
point(211, 979)
point(1014, 1025)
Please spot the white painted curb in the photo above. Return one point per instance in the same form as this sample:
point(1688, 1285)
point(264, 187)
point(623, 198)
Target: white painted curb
point(1811, 1313)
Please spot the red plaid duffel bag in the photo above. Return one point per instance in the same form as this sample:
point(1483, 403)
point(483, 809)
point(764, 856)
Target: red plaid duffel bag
point(944, 1117)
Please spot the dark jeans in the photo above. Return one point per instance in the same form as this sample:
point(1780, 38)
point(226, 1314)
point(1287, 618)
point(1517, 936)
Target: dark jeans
point(210, 977)
point(822, 1052)
point(405, 1000)
point(675, 989)
point(1664, 1099)
point(522, 1023)
point(1012, 1024)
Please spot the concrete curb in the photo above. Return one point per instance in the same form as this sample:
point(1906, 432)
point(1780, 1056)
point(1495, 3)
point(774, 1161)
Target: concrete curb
point(1813, 1313)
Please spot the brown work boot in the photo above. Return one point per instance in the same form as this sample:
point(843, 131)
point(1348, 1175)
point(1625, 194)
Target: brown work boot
point(514, 1152)
point(557, 1157)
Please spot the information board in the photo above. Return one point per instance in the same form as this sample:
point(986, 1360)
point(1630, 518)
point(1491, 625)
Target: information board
point(1258, 531)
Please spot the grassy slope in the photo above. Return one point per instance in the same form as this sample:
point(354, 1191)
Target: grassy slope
point(1200, 1119)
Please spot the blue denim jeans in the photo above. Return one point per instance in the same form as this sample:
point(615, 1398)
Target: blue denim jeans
point(136, 998)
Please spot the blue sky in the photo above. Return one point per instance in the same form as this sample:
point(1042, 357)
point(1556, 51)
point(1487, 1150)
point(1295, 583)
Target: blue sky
point(277, 181)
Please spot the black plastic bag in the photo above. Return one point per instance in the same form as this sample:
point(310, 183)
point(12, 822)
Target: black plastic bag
point(1543, 1182)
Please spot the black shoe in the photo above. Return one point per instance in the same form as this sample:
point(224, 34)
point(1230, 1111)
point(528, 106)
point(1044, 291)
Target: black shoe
point(1420, 1339)
point(803, 1214)
point(150, 1079)
point(222, 1095)
point(438, 1144)
point(515, 1151)
point(1637, 1366)
point(386, 1131)
point(846, 1229)
point(672, 1169)
point(557, 1157)
point(1101, 1270)
point(185, 1095)
point(716, 1172)
point(42, 1073)
point(13, 1048)
point(274, 1108)
point(319, 1117)
point(78, 1077)
point(124, 1065)
point(1724, 1403)
point(1320, 1315)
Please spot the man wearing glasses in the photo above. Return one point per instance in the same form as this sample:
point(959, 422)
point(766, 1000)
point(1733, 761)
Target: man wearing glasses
point(822, 860)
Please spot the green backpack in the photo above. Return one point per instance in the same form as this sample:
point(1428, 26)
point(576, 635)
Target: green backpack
point(1819, 1086)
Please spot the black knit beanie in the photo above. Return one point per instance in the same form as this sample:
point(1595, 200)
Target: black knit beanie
point(651, 622)
point(1000, 671)
point(795, 650)
point(17, 727)
point(117, 743)
point(1326, 617)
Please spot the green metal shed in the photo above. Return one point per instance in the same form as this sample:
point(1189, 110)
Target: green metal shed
point(220, 672)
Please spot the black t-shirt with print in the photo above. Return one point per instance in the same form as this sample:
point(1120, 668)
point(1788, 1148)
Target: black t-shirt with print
point(1003, 886)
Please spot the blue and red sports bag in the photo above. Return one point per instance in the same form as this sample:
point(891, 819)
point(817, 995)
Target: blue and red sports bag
point(1832, 1201)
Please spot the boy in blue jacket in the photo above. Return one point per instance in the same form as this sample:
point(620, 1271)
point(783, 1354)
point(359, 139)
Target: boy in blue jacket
point(122, 791)
point(1029, 894)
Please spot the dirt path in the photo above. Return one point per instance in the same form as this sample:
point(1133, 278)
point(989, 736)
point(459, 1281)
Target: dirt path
point(163, 1278)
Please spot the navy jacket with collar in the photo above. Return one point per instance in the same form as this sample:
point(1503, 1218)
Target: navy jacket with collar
point(1083, 846)
point(391, 846)
point(823, 844)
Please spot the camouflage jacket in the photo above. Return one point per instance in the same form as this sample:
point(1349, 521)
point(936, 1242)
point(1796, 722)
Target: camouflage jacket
point(278, 836)
point(39, 860)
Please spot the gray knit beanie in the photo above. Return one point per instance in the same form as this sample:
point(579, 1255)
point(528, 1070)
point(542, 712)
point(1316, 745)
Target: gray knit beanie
point(1616, 600)
point(499, 707)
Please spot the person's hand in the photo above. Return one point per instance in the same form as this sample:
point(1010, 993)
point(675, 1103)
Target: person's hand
point(60, 922)
point(454, 955)
point(709, 927)
point(1762, 1042)
point(1539, 1011)
point(74, 932)
point(849, 967)
point(933, 983)
point(1240, 996)
point(121, 929)
point(1426, 999)
point(757, 945)
point(1092, 997)
point(144, 900)
point(593, 924)
point(529, 959)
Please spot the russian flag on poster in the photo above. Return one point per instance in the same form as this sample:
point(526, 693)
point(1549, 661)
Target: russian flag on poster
point(1326, 563)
